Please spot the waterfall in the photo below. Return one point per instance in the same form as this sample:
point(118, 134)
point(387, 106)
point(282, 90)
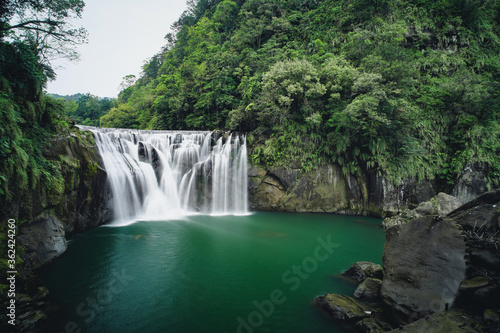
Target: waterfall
point(162, 175)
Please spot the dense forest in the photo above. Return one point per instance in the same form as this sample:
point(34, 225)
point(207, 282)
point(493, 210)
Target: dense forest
point(406, 87)
point(85, 109)
point(28, 117)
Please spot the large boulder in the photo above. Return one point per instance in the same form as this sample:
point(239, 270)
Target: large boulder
point(424, 265)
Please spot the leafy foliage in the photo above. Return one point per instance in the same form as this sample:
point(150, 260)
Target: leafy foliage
point(88, 109)
point(45, 25)
point(28, 118)
point(406, 87)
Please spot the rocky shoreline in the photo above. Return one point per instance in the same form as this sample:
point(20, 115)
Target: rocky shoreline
point(441, 273)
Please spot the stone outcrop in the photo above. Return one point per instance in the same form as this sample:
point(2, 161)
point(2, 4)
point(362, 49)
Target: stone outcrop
point(329, 190)
point(364, 269)
point(480, 213)
point(472, 182)
point(369, 289)
point(449, 321)
point(78, 204)
point(424, 264)
point(343, 307)
point(441, 205)
point(43, 239)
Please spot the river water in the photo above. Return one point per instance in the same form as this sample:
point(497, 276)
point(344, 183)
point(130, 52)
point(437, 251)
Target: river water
point(202, 273)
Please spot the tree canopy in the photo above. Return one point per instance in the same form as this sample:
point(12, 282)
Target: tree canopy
point(32, 32)
point(405, 87)
point(44, 25)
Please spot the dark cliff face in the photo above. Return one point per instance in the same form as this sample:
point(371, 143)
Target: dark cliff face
point(329, 190)
point(47, 218)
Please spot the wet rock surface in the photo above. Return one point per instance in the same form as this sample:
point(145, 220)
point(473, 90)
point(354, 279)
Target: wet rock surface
point(328, 189)
point(369, 289)
point(343, 307)
point(424, 264)
point(364, 269)
point(442, 204)
point(447, 321)
point(44, 240)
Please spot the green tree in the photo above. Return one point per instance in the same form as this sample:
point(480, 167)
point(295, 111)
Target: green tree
point(44, 25)
point(290, 90)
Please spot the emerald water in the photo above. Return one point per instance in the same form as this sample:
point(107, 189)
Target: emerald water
point(255, 273)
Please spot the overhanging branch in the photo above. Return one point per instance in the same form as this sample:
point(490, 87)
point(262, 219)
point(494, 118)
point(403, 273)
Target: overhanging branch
point(27, 25)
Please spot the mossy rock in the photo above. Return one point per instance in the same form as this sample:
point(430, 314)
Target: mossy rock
point(344, 307)
point(474, 283)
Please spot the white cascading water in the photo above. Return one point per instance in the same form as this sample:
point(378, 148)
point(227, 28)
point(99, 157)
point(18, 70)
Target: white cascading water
point(162, 175)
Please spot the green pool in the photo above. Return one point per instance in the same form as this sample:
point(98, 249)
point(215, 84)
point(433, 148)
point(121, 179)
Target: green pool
point(255, 273)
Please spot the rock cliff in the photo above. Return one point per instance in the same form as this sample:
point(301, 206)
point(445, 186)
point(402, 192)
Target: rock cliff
point(329, 190)
point(47, 218)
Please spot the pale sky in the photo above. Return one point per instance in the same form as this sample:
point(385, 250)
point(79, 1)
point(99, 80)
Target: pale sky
point(122, 35)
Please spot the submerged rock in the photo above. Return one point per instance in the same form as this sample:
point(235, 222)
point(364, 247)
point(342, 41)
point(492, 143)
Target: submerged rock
point(363, 269)
point(424, 265)
point(343, 307)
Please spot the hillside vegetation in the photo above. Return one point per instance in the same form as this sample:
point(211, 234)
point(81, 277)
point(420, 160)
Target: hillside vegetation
point(407, 87)
point(32, 33)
